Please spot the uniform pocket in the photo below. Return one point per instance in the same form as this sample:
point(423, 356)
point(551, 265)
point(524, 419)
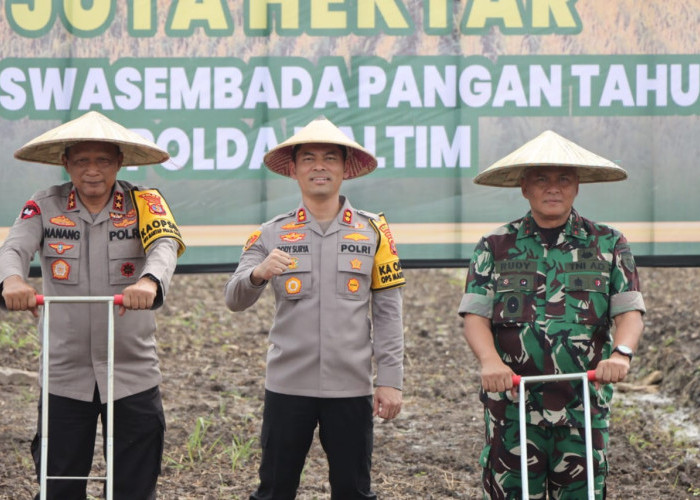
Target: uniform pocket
point(587, 298)
point(514, 298)
point(126, 263)
point(354, 276)
point(296, 282)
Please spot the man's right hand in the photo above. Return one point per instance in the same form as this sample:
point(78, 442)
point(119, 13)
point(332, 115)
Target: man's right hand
point(274, 264)
point(496, 376)
point(19, 295)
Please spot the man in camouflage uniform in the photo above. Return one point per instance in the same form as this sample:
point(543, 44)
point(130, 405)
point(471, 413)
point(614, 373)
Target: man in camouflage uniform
point(541, 295)
point(331, 268)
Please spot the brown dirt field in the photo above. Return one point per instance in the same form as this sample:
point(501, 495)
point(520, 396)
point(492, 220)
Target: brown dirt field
point(213, 367)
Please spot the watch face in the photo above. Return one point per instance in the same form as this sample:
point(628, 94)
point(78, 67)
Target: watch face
point(623, 349)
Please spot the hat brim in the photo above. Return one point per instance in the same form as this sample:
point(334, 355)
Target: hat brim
point(49, 147)
point(550, 150)
point(358, 161)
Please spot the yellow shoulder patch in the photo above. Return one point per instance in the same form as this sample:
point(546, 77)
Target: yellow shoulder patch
point(386, 271)
point(155, 219)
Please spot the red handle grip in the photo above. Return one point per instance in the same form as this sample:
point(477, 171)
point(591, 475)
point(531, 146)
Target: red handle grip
point(590, 374)
point(118, 299)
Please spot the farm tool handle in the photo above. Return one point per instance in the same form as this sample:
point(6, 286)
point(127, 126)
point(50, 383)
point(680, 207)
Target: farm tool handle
point(109, 438)
point(584, 377)
point(590, 374)
point(118, 299)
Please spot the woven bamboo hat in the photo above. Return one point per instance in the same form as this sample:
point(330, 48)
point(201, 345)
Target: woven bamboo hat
point(552, 150)
point(359, 161)
point(92, 126)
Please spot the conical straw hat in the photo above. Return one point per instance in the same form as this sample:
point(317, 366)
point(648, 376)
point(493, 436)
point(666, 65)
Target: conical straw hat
point(359, 161)
point(550, 149)
point(92, 126)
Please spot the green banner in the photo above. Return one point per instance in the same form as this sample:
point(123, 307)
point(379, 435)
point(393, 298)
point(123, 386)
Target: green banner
point(437, 89)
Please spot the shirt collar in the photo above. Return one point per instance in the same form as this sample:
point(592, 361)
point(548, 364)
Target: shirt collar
point(574, 227)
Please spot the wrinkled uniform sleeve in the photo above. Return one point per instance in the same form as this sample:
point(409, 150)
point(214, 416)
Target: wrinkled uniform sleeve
point(387, 325)
point(478, 289)
point(240, 293)
point(161, 260)
point(625, 288)
point(22, 242)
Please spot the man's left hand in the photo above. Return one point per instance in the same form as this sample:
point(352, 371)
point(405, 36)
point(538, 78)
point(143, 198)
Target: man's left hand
point(140, 295)
point(387, 402)
point(611, 370)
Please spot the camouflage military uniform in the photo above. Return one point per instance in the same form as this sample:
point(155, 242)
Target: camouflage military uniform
point(551, 309)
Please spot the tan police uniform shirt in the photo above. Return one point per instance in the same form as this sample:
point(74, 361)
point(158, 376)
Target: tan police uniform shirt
point(322, 340)
point(80, 256)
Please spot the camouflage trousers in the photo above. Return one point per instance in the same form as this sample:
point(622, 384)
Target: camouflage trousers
point(556, 461)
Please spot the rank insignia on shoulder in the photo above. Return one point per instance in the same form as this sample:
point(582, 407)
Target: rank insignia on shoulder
point(71, 201)
point(118, 201)
point(347, 216)
point(301, 215)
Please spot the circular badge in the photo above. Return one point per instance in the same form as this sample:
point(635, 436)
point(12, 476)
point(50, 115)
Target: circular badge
point(292, 286)
point(353, 285)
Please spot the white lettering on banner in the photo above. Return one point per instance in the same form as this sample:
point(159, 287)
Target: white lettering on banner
point(415, 86)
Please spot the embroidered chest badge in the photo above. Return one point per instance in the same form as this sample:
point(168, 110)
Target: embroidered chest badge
point(128, 269)
point(60, 247)
point(356, 237)
point(60, 269)
point(292, 286)
point(353, 285)
point(123, 220)
point(292, 225)
point(356, 264)
point(62, 220)
point(292, 237)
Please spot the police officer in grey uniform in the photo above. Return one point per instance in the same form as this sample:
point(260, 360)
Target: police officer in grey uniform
point(327, 262)
point(87, 234)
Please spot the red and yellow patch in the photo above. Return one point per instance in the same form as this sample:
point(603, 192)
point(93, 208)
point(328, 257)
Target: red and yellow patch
point(347, 216)
point(60, 269)
point(123, 220)
point(292, 237)
point(118, 201)
point(62, 220)
point(71, 201)
point(292, 286)
point(294, 264)
point(301, 215)
point(356, 237)
point(30, 210)
point(155, 203)
point(353, 285)
point(251, 240)
point(60, 247)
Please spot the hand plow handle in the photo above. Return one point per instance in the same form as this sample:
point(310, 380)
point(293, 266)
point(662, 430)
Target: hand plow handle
point(118, 299)
point(517, 378)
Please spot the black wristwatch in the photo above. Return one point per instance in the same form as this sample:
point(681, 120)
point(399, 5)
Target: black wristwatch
point(624, 350)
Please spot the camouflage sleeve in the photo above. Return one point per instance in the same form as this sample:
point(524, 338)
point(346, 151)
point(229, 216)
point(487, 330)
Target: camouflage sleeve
point(625, 292)
point(478, 290)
